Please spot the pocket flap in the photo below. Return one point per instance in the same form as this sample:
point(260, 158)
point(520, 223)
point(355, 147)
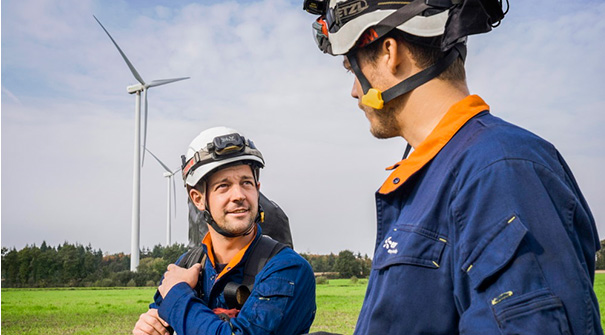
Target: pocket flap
point(271, 287)
point(410, 245)
point(494, 251)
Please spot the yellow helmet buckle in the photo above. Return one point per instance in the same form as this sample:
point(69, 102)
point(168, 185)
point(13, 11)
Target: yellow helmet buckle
point(373, 99)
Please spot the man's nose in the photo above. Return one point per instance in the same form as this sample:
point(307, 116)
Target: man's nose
point(237, 193)
point(355, 89)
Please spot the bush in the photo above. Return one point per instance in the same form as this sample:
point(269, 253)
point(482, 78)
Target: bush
point(321, 280)
point(123, 277)
point(105, 282)
point(354, 280)
point(150, 283)
point(131, 283)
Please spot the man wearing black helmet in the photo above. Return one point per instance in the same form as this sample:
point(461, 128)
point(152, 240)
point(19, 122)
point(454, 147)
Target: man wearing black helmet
point(482, 229)
point(238, 281)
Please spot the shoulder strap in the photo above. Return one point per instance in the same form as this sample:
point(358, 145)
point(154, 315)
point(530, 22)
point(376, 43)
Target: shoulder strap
point(262, 252)
point(193, 256)
point(236, 294)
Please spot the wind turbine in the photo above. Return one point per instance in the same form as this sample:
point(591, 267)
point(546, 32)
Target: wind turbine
point(171, 193)
point(136, 185)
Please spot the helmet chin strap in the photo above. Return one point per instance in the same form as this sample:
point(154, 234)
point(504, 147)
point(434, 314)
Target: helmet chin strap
point(376, 99)
point(208, 218)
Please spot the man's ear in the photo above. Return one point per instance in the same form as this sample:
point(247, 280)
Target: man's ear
point(398, 59)
point(197, 198)
point(258, 186)
point(391, 54)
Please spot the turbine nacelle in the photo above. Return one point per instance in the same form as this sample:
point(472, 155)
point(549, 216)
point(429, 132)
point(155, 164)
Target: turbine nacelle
point(135, 88)
point(142, 86)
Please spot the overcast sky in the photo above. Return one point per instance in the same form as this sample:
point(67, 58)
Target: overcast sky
point(68, 122)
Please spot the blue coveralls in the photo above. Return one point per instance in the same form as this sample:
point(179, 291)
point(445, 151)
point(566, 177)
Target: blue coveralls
point(281, 302)
point(482, 230)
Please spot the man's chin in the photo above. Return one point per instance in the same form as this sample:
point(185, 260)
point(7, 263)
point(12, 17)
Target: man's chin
point(238, 227)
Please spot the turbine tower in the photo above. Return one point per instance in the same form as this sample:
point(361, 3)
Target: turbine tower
point(136, 184)
point(171, 194)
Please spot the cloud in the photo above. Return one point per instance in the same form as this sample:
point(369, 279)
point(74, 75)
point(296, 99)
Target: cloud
point(67, 146)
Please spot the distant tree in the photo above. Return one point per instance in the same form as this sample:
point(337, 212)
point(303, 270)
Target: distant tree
point(365, 264)
point(321, 265)
point(25, 261)
point(151, 269)
point(157, 252)
point(601, 257)
point(331, 262)
point(69, 260)
point(173, 252)
point(346, 264)
point(10, 267)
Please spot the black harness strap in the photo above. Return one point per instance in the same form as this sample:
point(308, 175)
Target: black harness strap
point(236, 294)
point(261, 253)
point(192, 257)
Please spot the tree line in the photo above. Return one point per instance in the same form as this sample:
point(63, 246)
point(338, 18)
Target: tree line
point(75, 265)
point(344, 265)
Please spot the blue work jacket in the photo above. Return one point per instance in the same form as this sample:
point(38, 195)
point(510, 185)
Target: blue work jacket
point(281, 302)
point(482, 230)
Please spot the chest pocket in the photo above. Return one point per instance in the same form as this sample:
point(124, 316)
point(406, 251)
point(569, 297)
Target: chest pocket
point(410, 245)
point(268, 302)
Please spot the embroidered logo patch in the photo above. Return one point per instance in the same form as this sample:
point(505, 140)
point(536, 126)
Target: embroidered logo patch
point(390, 246)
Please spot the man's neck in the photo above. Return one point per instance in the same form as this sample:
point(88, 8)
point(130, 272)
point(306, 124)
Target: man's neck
point(426, 106)
point(225, 248)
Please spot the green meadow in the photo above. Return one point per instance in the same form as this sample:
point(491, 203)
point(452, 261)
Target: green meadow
point(114, 311)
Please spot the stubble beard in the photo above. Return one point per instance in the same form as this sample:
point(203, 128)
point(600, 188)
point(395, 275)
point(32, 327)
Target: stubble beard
point(383, 122)
point(237, 226)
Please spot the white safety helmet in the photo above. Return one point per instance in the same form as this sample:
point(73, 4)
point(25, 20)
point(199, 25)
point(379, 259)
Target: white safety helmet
point(216, 147)
point(341, 24)
point(344, 26)
point(346, 20)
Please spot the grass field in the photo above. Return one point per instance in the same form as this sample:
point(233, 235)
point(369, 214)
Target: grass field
point(114, 311)
point(79, 311)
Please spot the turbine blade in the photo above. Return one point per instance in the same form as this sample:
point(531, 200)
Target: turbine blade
point(159, 161)
point(160, 82)
point(130, 66)
point(144, 128)
point(174, 194)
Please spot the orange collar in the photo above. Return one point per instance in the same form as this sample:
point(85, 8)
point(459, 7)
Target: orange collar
point(449, 125)
point(234, 261)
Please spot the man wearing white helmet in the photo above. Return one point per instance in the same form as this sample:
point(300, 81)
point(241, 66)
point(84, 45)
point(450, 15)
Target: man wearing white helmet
point(239, 282)
point(482, 229)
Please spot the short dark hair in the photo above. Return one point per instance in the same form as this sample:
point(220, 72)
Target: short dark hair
point(425, 51)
